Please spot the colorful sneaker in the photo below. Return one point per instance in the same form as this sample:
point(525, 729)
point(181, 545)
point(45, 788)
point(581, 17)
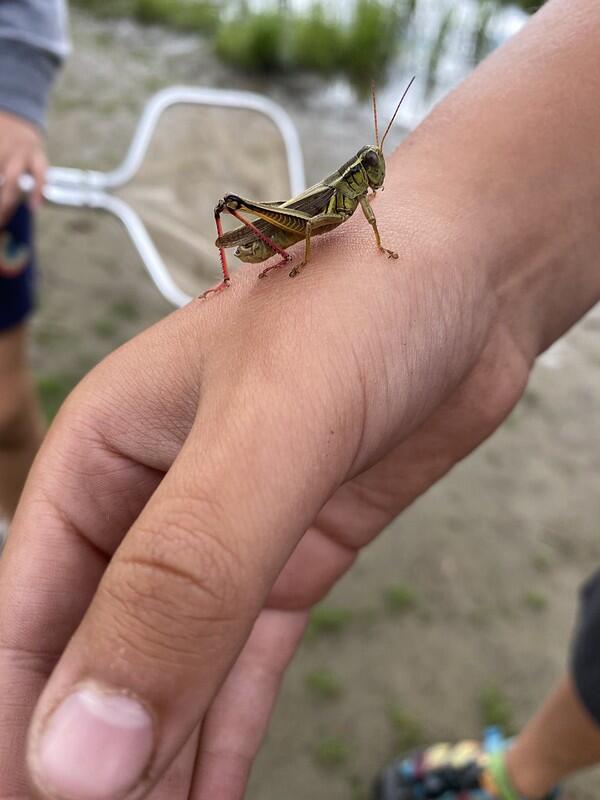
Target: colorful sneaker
point(469, 770)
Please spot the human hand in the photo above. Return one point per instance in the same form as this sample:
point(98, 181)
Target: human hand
point(209, 481)
point(214, 477)
point(21, 151)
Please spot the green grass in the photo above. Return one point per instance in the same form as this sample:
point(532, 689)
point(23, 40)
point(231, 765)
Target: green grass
point(408, 731)
point(127, 310)
point(481, 42)
point(373, 40)
point(399, 599)
point(52, 390)
point(276, 40)
point(107, 8)
point(324, 685)
point(196, 16)
point(331, 753)
point(318, 42)
point(105, 328)
point(439, 47)
point(254, 42)
point(535, 601)
point(357, 787)
point(494, 708)
point(51, 334)
point(185, 15)
point(531, 399)
point(328, 621)
point(541, 562)
point(527, 5)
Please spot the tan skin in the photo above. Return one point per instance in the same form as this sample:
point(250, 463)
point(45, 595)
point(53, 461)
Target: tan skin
point(20, 419)
point(21, 150)
point(240, 453)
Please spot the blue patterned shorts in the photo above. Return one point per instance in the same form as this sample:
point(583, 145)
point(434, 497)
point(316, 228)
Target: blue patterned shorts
point(17, 269)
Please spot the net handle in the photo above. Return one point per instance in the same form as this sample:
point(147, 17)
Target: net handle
point(93, 189)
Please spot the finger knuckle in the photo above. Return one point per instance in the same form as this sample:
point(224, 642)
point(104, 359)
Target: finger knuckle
point(180, 587)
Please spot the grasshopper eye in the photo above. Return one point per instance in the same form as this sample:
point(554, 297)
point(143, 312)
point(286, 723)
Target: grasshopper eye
point(370, 159)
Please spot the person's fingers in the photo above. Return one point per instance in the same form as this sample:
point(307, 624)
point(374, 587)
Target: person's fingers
point(176, 605)
point(239, 716)
point(38, 166)
point(102, 459)
point(10, 172)
point(48, 575)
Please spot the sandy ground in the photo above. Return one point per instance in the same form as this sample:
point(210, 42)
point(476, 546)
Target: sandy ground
point(462, 611)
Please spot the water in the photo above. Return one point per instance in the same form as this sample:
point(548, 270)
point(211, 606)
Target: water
point(455, 59)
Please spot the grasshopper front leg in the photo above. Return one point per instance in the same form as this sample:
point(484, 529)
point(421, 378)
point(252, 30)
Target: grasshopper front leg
point(370, 215)
point(320, 221)
point(304, 262)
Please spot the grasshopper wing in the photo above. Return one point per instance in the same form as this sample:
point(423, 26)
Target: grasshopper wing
point(310, 203)
point(313, 201)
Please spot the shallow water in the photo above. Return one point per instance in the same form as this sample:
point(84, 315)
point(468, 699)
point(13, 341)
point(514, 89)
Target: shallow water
point(456, 61)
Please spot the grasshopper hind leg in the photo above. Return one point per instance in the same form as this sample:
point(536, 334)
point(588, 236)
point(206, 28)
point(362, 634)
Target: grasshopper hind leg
point(278, 265)
point(219, 208)
point(226, 279)
point(285, 256)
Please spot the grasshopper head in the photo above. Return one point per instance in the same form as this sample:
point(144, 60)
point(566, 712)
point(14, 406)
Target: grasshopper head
point(373, 163)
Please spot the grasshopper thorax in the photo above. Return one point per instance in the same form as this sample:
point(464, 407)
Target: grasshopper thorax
point(372, 161)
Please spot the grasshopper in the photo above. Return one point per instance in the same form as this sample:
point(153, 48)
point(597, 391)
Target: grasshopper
point(318, 210)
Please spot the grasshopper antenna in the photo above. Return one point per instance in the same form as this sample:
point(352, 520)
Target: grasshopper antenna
point(396, 111)
point(375, 113)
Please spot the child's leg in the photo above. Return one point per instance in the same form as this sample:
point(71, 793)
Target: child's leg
point(560, 739)
point(564, 735)
point(20, 419)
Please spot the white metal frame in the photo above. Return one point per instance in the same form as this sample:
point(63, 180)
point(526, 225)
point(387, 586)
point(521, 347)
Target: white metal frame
point(93, 189)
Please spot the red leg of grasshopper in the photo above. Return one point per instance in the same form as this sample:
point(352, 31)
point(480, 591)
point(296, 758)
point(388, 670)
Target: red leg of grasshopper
point(281, 263)
point(269, 242)
point(226, 279)
point(219, 209)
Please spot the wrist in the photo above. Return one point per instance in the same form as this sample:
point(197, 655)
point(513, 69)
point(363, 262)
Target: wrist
point(511, 158)
point(527, 254)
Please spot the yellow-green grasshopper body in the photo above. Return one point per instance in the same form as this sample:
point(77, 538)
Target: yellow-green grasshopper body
point(318, 210)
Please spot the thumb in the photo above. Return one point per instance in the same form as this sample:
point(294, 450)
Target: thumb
point(172, 612)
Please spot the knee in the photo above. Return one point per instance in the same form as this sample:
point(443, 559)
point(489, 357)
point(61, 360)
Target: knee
point(232, 202)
